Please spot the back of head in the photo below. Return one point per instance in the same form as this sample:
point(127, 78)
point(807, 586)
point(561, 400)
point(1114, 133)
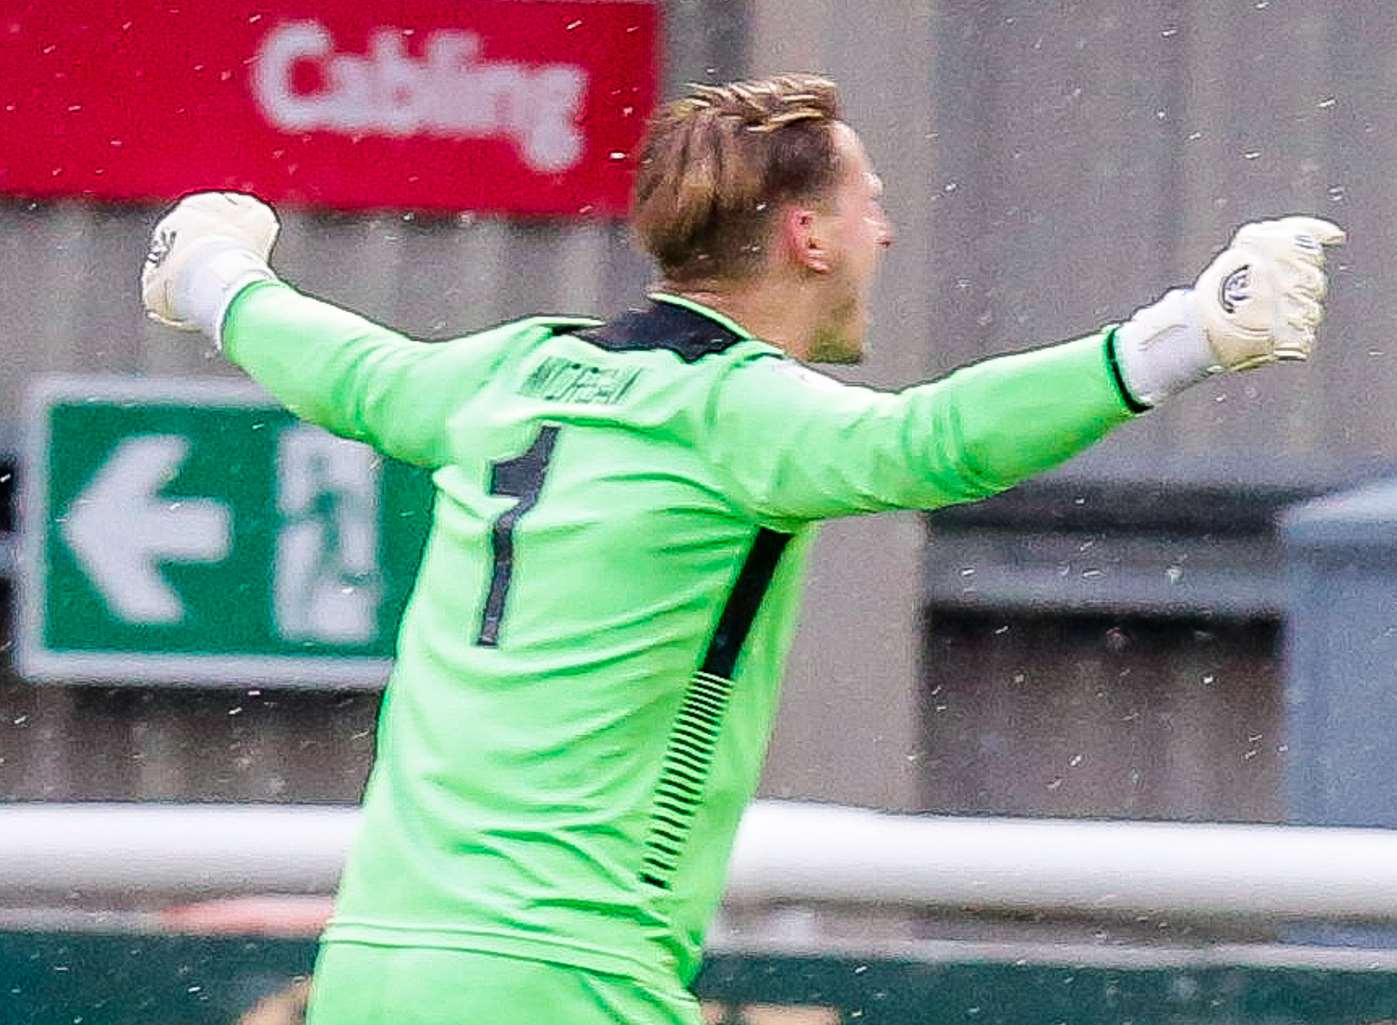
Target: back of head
point(716, 164)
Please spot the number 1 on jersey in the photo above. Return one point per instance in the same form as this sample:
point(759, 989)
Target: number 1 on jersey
point(521, 478)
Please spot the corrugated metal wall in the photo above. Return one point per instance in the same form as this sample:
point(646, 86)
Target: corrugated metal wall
point(1100, 716)
point(1091, 153)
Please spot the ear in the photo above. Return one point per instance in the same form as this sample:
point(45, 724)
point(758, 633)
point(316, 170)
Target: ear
point(803, 236)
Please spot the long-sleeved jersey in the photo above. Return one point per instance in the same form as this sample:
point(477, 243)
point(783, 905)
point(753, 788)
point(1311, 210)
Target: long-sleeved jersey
point(588, 668)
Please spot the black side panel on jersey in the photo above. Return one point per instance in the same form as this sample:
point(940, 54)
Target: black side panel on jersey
point(689, 335)
point(694, 736)
point(746, 598)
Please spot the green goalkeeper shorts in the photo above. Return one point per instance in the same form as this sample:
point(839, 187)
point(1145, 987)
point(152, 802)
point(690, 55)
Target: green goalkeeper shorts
point(360, 984)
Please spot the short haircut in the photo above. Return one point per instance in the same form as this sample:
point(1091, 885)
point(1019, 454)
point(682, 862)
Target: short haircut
point(715, 165)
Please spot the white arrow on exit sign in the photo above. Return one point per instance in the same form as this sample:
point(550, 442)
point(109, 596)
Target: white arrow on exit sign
point(121, 530)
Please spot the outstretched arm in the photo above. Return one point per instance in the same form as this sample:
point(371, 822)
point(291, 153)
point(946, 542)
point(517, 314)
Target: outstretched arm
point(207, 271)
point(798, 446)
point(349, 375)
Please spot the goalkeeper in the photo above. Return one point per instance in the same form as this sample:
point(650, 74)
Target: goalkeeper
point(588, 668)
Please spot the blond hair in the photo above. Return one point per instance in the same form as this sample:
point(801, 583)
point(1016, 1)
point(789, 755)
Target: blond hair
point(715, 164)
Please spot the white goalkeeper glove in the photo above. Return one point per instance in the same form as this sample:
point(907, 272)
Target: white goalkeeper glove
point(1259, 301)
point(208, 248)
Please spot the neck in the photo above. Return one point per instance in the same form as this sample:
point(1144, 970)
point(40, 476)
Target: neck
point(780, 313)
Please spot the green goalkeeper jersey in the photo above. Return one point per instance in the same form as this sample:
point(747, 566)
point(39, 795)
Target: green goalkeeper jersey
point(588, 668)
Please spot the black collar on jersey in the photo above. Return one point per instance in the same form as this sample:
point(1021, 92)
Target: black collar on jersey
point(684, 329)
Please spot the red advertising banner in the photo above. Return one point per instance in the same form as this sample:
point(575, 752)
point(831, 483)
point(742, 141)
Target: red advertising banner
point(528, 107)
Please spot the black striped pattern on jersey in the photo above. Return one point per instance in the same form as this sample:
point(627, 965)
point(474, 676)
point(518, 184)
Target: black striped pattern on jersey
point(694, 735)
point(688, 757)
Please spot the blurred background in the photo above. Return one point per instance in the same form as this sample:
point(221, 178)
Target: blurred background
point(1141, 635)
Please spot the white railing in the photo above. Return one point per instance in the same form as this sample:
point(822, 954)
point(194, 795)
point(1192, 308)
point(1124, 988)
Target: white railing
point(786, 852)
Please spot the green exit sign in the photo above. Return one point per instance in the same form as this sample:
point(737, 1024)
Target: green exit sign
point(182, 531)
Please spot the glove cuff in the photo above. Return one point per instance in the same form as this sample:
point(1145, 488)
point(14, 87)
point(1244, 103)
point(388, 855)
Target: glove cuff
point(1163, 349)
point(212, 276)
